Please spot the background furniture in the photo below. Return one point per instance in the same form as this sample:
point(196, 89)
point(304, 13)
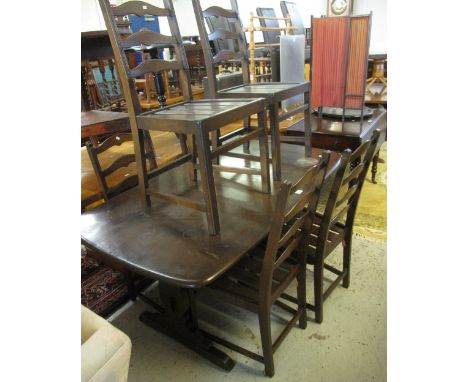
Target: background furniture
point(262, 75)
point(291, 9)
point(257, 281)
point(273, 92)
point(105, 350)
point(173, 245)
point(339, 62)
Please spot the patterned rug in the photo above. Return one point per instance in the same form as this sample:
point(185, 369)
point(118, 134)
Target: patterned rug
point(104, 289)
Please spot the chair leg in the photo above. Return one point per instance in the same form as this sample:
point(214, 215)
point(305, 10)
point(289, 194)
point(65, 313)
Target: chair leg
point(347, 258)
point(318, 291)
point(301, 298)
point(247, 127)
point(267, 346)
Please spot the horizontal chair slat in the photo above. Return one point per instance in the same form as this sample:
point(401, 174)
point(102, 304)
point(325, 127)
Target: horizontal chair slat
point(218, 11)
point(147, 37)
point(115, 140)
point(223, 34)
point(154, 66)
point(139, 8)
point(225, 55)
point(122, 161)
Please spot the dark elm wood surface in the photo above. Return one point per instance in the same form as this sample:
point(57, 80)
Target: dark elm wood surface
point(97, 122)
point(172, 243)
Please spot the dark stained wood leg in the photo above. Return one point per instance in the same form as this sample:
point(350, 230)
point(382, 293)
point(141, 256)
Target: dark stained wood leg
point(267, 347)
point(275, 141)
point(130, 285)
point(247, 127)
point(347, 244)
point(307, 127)
point(318, 291)
point(301, 298)
point(264, 158)
point(215, 143)
point(140, 159)
point(150, 153)
point(375, 160)
point(179, 322)
point(207, 179)
point(192, 149)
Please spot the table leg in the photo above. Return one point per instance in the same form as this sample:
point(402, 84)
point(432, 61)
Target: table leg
point(374, 166)
point(179, 321)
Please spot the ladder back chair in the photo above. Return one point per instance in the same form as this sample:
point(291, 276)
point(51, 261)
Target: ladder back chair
point(191, 120)
point(109, 191)
point(335, 225)
point(122, 161)
point(257, 281)
point(273, 92)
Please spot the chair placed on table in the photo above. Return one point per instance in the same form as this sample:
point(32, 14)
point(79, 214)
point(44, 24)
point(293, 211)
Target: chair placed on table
point(257, 281)
point(335, 226)
point(192, 120)
point(105, 350)
point(273, 92)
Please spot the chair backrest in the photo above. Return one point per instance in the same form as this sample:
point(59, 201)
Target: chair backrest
point(348, 176)
point(291, 223)
point(229, 29)
point(291, 9)
point(272, 36)
point(145, 38)
point(122, 161)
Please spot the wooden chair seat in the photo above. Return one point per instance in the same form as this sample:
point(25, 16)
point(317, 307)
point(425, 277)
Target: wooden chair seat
point(186, 117)
point(272, 91)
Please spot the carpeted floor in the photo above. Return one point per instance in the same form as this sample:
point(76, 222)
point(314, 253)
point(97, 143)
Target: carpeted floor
point(371, 216)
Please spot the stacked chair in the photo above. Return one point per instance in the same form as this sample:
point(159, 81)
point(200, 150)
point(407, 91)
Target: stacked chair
point(191, 120)
point(272, 92)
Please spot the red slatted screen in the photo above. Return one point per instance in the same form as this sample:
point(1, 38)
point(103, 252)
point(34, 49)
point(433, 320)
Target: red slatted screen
point(330, 39)
point(328, 61)
point(357, 64)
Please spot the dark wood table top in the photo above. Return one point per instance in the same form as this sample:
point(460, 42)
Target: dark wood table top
point(171, 243)
point(97, 122)
point(333, 134)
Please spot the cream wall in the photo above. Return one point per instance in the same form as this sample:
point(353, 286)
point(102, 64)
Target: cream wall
point(91, 18)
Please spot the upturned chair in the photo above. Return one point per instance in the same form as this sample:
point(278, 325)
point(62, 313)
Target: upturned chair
point(335, 226)
point(273, 92)
point(191, 120)
point(257, 281)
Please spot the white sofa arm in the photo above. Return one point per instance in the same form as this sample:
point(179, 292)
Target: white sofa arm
point(105, 350)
